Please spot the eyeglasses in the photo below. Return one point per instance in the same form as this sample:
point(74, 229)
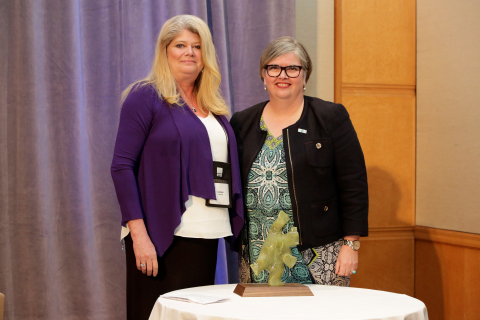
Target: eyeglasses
point(274, 71)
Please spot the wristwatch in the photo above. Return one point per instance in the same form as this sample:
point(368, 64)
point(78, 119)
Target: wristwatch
point(355, 245)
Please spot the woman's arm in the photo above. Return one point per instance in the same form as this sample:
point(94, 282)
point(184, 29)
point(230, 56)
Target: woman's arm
point(351, 175)
point(143, 248)
point(353, 189)
point(135, 121)
point(347, 260)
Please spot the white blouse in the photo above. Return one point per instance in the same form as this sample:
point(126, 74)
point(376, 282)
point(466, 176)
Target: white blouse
point(200, 221)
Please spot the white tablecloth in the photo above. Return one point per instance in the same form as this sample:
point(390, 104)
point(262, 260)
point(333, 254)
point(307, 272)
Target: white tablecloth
point(328, 302)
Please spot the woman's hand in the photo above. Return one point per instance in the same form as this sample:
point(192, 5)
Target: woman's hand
point(143, 248)
point(347, 260)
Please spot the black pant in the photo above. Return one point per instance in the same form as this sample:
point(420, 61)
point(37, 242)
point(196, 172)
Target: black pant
point(188, 262)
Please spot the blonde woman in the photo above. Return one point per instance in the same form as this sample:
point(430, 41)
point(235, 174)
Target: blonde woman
point(172, 138)
point(301, 155)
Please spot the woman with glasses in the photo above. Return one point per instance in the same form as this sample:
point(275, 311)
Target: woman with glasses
point(301, 155)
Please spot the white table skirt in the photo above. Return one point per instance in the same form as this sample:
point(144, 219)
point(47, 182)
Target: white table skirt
point(328, 302)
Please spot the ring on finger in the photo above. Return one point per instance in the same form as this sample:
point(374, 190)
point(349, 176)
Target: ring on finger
point(143, 265)
point(353, 272)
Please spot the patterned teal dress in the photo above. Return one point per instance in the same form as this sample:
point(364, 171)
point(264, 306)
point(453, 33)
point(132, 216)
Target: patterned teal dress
point(267, 195)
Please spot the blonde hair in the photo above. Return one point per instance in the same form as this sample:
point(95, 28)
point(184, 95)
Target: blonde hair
point(207, 84)
point(284, 45)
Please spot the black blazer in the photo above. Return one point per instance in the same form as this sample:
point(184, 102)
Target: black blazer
point(327, 177)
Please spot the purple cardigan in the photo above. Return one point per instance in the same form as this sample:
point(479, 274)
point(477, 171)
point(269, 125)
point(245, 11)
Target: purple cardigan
point(162, 155)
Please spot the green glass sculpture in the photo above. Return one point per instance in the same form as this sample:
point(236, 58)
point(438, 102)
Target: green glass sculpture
point(276, 251)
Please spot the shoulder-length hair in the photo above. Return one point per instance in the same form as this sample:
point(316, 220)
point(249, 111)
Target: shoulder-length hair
point(207, 84)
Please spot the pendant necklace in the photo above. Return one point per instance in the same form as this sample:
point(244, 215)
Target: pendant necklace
point(191, 106)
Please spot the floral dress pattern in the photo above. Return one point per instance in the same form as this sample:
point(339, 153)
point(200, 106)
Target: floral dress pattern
point(267, 195)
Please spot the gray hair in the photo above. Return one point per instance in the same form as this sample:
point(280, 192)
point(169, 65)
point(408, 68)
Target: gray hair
point(284, 45)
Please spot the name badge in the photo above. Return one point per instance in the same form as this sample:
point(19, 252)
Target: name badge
point(222, 191)
point(222, 177)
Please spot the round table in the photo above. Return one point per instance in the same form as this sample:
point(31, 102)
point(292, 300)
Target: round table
point(328, 302)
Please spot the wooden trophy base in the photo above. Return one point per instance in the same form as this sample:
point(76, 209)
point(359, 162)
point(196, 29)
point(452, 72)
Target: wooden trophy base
point(264, 290)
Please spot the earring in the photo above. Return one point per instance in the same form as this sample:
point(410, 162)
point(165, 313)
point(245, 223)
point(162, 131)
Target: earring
point(304, 88)
point(264, 87)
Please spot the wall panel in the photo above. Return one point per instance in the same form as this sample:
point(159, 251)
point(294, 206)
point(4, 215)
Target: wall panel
point(375, 80)
point(448, 149)
point(446, 273)
point(448, 153)
point(385, 124)
point(379, 41)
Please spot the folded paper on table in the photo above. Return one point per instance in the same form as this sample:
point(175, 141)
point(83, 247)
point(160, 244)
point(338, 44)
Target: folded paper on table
point(194, 298)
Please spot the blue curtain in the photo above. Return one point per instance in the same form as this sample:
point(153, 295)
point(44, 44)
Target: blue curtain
point(63, 65)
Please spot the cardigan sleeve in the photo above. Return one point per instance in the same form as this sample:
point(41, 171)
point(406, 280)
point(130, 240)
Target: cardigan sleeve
point(135, 121)
point(351, 174)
